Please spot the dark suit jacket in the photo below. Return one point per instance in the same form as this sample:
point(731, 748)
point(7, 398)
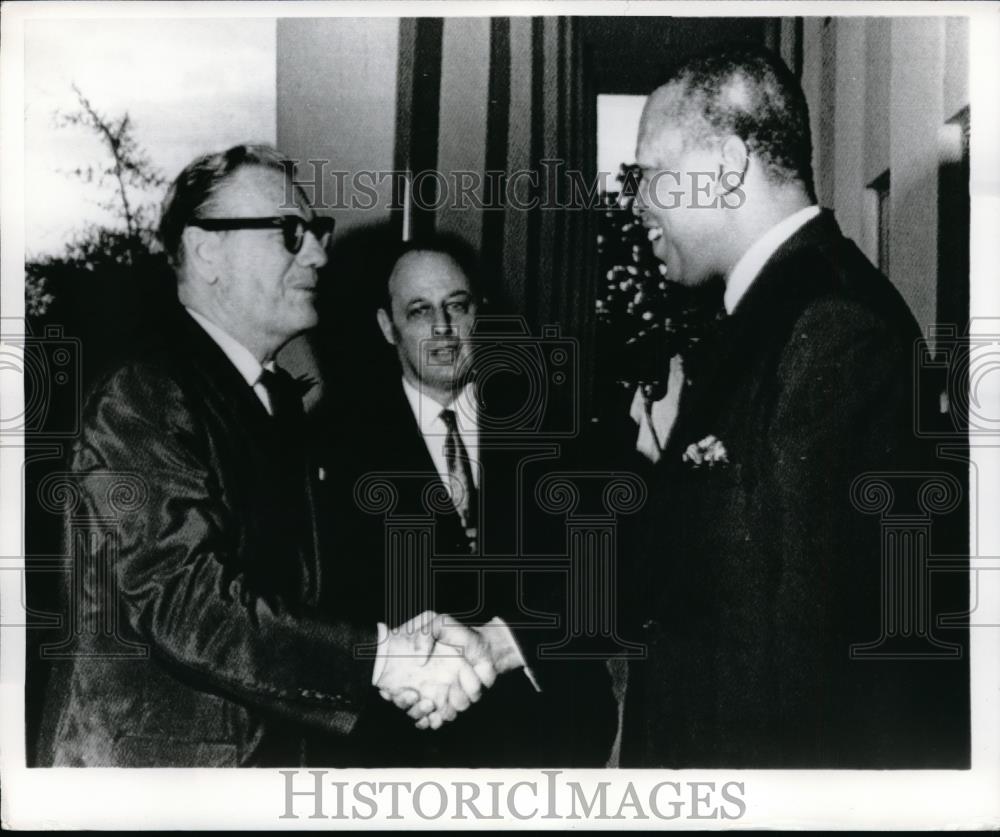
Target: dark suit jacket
point(379, 442)
point(195, 599)
point(757, 575)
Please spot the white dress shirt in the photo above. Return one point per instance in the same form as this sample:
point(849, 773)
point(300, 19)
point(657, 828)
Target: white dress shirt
point(427, 412)
point(239, 355)
point(753, 260)
point(653, 434)
point(656, 423)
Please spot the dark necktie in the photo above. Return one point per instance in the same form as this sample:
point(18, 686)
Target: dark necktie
point(292, 475)
point(284, 395)
point(460, 474)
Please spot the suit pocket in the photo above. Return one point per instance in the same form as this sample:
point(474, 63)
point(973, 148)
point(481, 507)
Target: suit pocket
point(154, 751)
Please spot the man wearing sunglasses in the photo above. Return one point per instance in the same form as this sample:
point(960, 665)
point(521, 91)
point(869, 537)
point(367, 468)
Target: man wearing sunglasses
point(219, 643)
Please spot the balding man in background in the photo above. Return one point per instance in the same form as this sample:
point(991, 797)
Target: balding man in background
point(438, 436)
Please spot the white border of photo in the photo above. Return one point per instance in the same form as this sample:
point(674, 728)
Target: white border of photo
point(187, 799)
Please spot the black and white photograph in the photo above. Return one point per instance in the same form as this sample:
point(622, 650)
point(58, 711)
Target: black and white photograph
point(500, 415)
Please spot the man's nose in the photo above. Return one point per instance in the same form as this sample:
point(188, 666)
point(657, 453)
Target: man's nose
point(443, 326)
point(312, 253)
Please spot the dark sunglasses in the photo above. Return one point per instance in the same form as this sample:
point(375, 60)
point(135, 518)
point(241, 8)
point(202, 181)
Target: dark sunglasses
point(293, 228)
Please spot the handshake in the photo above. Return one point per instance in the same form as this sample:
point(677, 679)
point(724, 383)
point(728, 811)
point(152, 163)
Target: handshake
point(434, 667)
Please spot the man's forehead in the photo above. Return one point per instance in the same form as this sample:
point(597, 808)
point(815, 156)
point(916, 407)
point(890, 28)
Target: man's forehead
point(260, 191)
point(426, 273)
point(660, 121)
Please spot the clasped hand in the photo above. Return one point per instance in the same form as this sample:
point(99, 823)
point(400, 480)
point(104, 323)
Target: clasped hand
point(435, 668)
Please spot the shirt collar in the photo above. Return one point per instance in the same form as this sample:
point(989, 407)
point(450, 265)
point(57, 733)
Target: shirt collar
point(239, 355)
point(753, 260)
point(428, 411)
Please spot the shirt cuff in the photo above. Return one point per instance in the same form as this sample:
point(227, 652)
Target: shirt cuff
point(381, 645)
point(506, 650)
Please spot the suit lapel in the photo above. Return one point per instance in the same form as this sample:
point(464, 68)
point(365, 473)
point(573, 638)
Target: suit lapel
point(405, 450)
point(221, 379)
point(759, 321)
point(262, 452)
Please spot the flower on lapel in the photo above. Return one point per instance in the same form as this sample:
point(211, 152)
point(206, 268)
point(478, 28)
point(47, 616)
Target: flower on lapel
point(304, 385)
point(709, 451)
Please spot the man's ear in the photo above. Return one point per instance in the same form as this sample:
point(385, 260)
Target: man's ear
point(733, 168)
point(201, 250)
point(385, 323)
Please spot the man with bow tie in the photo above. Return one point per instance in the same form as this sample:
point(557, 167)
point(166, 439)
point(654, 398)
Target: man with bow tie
point(204, 635)
point(760, 578)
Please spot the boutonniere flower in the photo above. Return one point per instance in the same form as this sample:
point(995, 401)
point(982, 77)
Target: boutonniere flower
point(304, 384)
point(709, 451)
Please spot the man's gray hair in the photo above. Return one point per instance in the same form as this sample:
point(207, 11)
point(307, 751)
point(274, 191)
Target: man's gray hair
point(191, 195)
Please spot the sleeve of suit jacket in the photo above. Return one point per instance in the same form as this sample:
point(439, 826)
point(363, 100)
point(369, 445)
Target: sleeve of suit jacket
point(841, 410)
point(182, 585)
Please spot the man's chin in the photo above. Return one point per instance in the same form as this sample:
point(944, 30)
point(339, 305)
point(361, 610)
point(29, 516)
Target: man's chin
point(442, 380)
point(686, 277)
point(660, 250)
point(307, 316)
point(684, 280)
point(669, 257)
